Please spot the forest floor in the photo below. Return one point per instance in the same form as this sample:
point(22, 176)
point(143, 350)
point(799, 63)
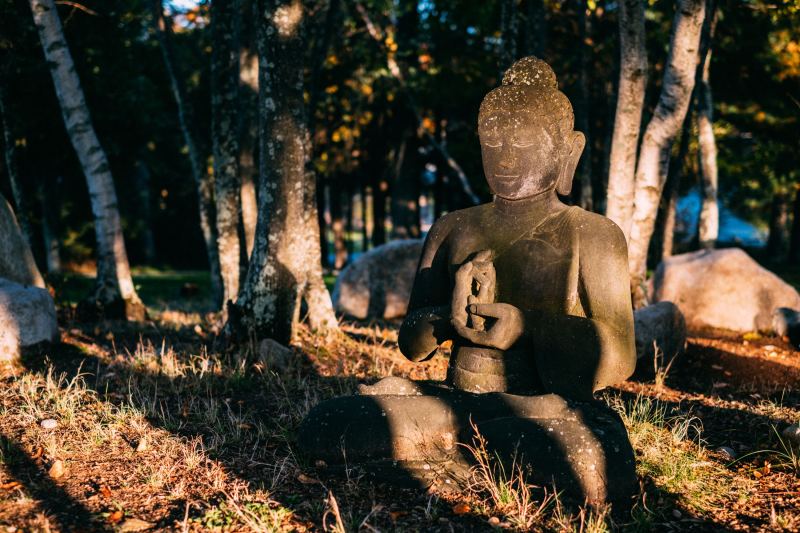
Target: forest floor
point(155, 428)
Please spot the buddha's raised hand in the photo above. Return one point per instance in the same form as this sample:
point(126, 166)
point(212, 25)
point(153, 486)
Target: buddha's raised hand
point(508, 327)
point(475, 282)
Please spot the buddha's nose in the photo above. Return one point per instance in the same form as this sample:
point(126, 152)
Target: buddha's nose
point(506, 163)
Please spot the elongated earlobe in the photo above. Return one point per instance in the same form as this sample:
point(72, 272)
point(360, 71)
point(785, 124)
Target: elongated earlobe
point(570, 163)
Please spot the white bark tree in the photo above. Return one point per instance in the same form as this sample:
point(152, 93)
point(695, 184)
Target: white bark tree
point(628, 118)
point(708, 228)
point(225, 140)
point(285, 267)
point(114, 283)
point(653, 165)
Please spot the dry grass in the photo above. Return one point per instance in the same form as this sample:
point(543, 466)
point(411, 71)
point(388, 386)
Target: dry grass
point(156, 426)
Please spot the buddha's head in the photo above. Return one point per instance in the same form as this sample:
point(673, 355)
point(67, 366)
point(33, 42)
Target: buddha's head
point(527, 141)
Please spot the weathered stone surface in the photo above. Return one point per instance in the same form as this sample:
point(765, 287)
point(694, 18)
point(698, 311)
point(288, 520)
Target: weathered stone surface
point(722, 289)
point(786, 322)
point(582, 447)
point(534, 297)
point(273, 354)
point(378, 284)
point(16, 260)
point(659, 325)
point(27, 318)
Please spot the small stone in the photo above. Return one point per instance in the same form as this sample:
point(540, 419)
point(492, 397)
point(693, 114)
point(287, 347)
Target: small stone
point(48, 423)
point(728, 452)
point(676, 513)
point(57, 470)
point(494, 521)
point(142, 445)
point(792, 433)
point(273, 354)
point(132, 525)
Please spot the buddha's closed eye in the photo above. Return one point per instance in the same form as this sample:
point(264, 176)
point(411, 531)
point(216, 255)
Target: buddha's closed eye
point(493, 143)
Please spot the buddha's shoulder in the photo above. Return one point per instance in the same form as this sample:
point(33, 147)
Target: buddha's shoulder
point(459, 219)
point(594, 227)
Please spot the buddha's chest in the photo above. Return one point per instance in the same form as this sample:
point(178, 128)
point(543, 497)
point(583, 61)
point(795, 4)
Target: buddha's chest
point(536, 271)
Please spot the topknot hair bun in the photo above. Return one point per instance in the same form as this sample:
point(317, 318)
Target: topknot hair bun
point(531, 71)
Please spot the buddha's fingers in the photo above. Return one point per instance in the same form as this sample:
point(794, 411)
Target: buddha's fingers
point(461, 292)
point(472, 335)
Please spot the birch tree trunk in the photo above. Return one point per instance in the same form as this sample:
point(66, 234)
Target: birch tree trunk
point(653, 165)
point(225, 140)
point(114, 282)
point(286, 266)
point(248, 78)
point(203, 182)
point(627, 122)
point(708, 227)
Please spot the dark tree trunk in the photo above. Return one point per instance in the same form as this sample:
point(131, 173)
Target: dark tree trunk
point(225, 140)
point(582, 118)
point(778, 224)
point(405, 192)
point(379, 209)
point(10, 152)
point(794, 245)
point(202, 180)
point(509, 25)
point(536, 28)
point(50, 223)
point(142, 178)
point(285, 267)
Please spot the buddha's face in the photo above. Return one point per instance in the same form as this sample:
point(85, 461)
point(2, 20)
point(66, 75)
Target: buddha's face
point(521, 154)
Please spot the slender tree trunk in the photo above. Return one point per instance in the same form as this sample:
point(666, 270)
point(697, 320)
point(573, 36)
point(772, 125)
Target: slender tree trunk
point(285, 267)
point(671, 189)
point(536, 31)
point(50, 224)
point(627, 123)
point(142, 176)
point(509, 25)
point(248, 95)
point(651, 171)
point(778, 224)
point(114, 281)
point(794, 246)
point(10, 152)
point(582, 119)
point(379, 209)
point(225, 140)
point(708, 227)
point(202, 180)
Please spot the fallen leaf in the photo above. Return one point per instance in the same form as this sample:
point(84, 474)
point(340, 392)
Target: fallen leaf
point(132, 525)
point(397, 514)
point(245, 426)
point(57, 470)
point(757, 474)
point(115, 517)
point(38, 454)
point(10, 485)
point(307, 480)
point(105, 492)
point(461, 508)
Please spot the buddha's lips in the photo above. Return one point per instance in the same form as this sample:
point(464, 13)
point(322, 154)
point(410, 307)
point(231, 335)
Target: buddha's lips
point(503, 177)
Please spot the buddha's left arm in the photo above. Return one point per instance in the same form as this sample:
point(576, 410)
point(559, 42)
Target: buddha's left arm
point(576, 356)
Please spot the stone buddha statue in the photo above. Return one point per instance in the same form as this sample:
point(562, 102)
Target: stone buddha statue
point(534, 294)
point(535, 297)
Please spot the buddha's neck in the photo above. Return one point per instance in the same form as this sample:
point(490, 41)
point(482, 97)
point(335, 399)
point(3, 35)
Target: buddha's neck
point(545, 202)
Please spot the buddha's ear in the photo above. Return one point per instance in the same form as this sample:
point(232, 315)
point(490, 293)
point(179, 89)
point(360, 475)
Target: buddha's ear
point(570, 162)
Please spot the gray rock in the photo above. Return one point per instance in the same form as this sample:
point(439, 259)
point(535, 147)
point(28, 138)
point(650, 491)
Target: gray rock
point(786, 322)
point(415, 438)
point(722, 289)
point(659, 325)
point(792, 434)
point(16, 260)
point(48, 423)
point(378, 284)
point(27, 318)
point(728, 452)
point(273, 354)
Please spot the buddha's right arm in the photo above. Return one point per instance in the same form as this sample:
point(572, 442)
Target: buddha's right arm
point(427, 324)
point(423, 331)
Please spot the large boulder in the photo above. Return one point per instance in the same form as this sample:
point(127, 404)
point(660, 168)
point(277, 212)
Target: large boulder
point(722, 289)
point(378, 284)
point(661, 327)
point(27, 318)
point(16, 260)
